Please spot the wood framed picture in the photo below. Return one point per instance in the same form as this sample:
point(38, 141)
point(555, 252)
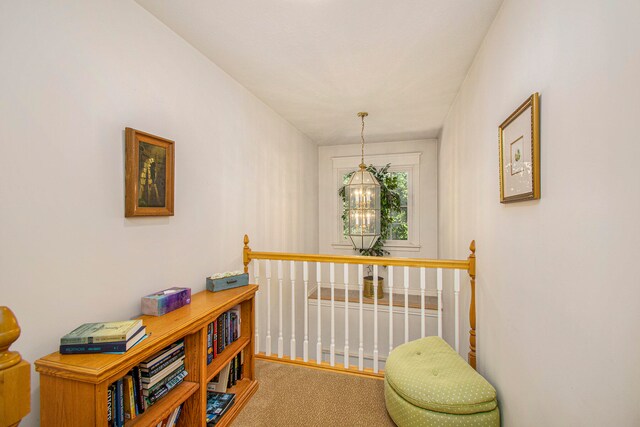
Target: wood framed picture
point(519, 145)
point(148, 174)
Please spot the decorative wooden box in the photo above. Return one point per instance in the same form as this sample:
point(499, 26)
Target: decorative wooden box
point(235, 281)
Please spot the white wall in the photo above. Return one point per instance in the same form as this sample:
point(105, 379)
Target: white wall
point(73, 76)
point(557, 288)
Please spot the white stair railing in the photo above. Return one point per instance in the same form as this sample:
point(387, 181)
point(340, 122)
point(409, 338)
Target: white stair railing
point(429, 307)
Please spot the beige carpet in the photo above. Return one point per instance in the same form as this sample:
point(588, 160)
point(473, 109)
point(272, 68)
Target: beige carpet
point(292, 395)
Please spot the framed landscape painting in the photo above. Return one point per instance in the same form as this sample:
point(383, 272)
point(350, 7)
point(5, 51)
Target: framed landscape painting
point(149, 174)
point(519, 145)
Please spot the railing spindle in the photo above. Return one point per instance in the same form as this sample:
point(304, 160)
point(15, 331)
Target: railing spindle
point(390, 308)
point(268, 339)
point(346, 316)
point(280, 336)
point(406, 304)
point(456, 293)
point(292, 274)
point(332, 346)
point(361, 345)
point(319, 328)
point(423, 288)
point(375, 319)
point(440, 302)
point(256, 277)
point(305, 279)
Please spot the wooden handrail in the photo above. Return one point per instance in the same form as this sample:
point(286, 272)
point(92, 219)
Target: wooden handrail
point(468, 265)
point(249, 255)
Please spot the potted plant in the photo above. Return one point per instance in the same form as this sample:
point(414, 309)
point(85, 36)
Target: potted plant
point(390, 198)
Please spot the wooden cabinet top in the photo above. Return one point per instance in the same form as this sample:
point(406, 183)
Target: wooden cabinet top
point(161, 331)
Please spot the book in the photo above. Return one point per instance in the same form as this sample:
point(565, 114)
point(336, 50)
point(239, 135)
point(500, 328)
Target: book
point(215, 339)
point(158, 367)
point(109, 405)
point(105, 347)
point(119, 403)
point(129, 402)
point(220, 334)
point(158, 357)
point(90, 333)
point(217, 405)
point(148, 382)
point(219, 382)
point(174, 417)
point(209, 343)
point(137, 383)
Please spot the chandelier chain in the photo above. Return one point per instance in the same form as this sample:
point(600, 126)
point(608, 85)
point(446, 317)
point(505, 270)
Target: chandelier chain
point(362, 137)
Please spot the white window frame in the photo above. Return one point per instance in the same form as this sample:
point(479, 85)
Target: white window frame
point(402, 162)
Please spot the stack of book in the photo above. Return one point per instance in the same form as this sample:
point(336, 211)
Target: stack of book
point(217, 405)
point(222, 332)
point(107, 337)
point(162, 372)
point(132, 394)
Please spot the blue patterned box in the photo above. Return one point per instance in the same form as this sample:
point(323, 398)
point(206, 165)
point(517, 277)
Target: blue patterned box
point(228, 282)
point(165, 301)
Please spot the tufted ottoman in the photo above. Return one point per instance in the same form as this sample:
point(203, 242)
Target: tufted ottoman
point(427, 383)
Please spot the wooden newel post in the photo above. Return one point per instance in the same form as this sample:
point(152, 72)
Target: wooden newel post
point(246, 251)
point(472, 305)
point(15, 374)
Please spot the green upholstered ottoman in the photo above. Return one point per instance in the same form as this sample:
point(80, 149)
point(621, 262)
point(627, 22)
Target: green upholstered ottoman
point(427, 383)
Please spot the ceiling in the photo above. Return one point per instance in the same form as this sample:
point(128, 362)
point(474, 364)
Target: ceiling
point(318, 62)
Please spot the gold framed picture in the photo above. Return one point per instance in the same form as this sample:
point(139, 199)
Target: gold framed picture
point(149, 173)
point(519, 145)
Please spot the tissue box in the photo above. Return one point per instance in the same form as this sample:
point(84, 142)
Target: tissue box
point(165, 301)
point(222, 283)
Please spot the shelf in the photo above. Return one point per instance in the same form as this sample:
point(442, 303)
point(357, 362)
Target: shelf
point(243, 390)
point(163, 407)
point(225, 357)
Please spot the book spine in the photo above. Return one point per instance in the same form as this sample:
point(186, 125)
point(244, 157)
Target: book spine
point(215, 339)
point(239, 366)
point(148, 373)
point(129, 403)
point(137, 382)
point(93, 340)
point(209, 343)
point(220, 334)
point(109, 405)
point(227, 341)
point(175, 419)
point(151, 399)
point(120, 403)
point(93, 348)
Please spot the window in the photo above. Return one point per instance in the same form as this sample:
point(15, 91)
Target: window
point(403, 232)
point(399, 229)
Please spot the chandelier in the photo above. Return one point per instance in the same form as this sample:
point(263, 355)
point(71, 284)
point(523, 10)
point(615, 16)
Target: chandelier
point(363, 196)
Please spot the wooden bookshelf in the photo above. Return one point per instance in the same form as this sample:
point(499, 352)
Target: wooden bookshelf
point(73, 388)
